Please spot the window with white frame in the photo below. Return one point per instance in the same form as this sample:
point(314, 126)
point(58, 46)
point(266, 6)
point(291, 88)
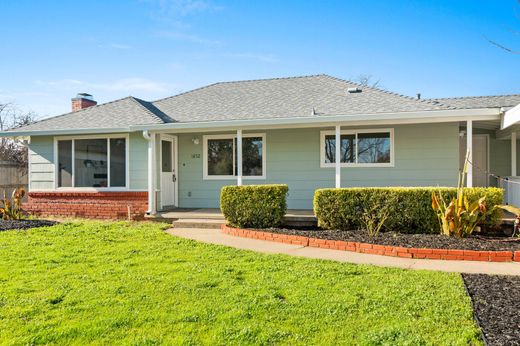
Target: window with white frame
point(220, 156)
point(96, 162)
point(363, 148)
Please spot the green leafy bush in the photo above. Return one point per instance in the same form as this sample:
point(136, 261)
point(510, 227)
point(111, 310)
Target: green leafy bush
point(410, 208)
point(255, 206)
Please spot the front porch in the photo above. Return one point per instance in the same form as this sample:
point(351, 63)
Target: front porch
point(213, 218)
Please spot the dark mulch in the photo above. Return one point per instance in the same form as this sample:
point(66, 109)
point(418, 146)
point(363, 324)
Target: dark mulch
point(24, 224)
point(432, 241)
point(496, 301)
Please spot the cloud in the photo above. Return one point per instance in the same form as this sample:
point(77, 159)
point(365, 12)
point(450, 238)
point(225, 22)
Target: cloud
point(270, 58)
point(120, 46)
point(128, 85)
point(184, 7)
point(179, 36)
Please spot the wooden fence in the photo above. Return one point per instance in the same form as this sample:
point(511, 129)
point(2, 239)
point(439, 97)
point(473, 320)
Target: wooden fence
point(12, 176)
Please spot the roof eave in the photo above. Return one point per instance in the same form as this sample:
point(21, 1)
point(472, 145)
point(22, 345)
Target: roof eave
point(433, 116)
point(326, 120)
point(15, 133)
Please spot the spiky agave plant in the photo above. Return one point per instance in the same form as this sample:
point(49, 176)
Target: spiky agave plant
point(11, 209)
point(459, 217)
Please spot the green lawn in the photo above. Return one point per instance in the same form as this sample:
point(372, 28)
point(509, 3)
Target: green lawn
point(131, 283)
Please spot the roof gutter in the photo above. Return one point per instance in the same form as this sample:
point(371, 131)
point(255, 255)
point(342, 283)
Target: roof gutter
point(436, 116)
point(325, 120)
point(15, 133)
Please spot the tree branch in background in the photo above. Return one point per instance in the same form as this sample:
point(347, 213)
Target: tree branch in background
point(368, 80)
point(515, 32)
point(502, 46)
point(10, 118)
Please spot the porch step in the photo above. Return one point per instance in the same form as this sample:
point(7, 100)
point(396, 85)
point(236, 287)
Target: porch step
point(198, 223)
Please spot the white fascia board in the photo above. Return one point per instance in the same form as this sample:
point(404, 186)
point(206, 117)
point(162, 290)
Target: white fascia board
point(510, 117)
point(436, 116)
point(64, 132)
point(331, 120)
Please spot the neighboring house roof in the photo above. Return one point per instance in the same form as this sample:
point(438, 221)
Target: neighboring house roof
point(278, 98)
point(116, 114)
point(285, 98)
point(472, 102)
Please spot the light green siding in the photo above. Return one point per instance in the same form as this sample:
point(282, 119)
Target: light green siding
point(41, 169)
point(42, 162)
point(424, 155)
point(138, 164)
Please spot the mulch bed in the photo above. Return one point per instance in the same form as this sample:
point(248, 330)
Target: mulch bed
point(24, 224)
point(496, 302)
point(431, 241)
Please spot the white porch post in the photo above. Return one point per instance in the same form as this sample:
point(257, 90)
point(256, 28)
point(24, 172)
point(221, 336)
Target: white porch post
point(151, 172)
point(239, 157)
point(513, 153)
point(338, 156)
point(469, 146)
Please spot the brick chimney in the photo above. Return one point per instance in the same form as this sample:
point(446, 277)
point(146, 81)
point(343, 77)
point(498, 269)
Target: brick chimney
point(82, 101)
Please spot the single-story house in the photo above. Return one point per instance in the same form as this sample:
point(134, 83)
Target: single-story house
point(135, 156)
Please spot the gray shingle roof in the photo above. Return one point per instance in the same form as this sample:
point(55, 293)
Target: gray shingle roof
point(285, 98)
point(257, 99)
point(116, 114)
point(479, 101)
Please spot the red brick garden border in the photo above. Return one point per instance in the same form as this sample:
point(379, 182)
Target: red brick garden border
point(374, 249)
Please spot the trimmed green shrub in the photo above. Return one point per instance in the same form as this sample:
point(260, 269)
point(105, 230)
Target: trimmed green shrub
point(410, 208)
point(255, 206)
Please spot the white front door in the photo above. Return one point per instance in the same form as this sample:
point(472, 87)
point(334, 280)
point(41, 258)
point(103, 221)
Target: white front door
point(480, 158)
point(168, 173)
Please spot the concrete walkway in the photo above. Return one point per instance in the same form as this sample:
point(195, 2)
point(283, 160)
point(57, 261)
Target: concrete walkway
point(213, 236)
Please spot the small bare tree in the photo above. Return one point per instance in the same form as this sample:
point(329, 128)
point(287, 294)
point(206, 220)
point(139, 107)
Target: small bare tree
point(369, 81)
point(10, 118)
point(513, 31)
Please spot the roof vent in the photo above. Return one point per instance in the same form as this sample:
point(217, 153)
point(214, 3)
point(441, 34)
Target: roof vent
point(354, 90)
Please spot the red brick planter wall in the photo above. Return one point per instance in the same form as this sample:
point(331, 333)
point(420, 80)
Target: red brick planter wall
point(395, 251)
point(97, 205)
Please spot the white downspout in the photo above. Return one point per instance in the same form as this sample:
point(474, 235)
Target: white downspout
point(151, 172)
point(239, 157)
point(469, 147)
point(513, 153)
point(338, 156)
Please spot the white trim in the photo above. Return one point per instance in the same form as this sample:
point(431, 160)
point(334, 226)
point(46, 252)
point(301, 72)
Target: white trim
point(337, 153)
point(421, 117)
point(232, 177)
point(355, 164)
point(239, 158)
point(513, 154)
point(72, 188)
point(436, 116)
point(175, 163)
point(510, 117)
point(469, 152)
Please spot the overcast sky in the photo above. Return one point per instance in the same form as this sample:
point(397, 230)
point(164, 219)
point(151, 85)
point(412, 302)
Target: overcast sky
point(51, 50)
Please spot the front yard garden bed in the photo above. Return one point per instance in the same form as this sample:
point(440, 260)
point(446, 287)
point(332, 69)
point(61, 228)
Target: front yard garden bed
point(24, 224)
point(432, 241)
point(393, 244)
point(495, 300)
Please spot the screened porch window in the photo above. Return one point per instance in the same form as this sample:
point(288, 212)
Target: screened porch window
point(369, 148)
point(220, 154)
point(92, 162)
